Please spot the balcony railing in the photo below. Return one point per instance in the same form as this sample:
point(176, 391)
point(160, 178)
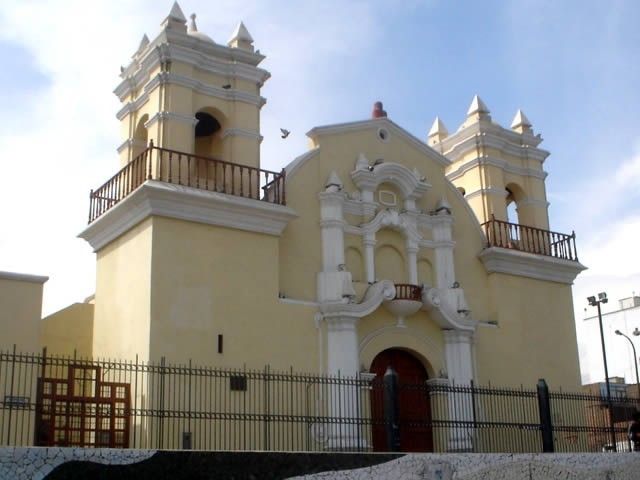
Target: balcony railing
point(408, 291)
point(181, 168)
point(530, 239)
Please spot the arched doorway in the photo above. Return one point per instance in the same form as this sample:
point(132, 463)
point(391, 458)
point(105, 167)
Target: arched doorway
point(413, 400)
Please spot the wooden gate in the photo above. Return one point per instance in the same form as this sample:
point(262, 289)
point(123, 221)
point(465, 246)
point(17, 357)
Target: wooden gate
point(82, 410)
point(413, 399)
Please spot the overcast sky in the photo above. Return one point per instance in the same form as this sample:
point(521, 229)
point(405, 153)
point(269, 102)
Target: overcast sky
point(572, 66)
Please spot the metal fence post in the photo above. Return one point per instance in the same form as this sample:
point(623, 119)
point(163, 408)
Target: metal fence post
point(391, 420)
point(546, 425)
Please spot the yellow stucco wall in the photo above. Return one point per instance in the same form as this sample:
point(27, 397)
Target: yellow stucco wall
point(210, 281)
point(535, 337)
point(122, 306)
point(20, 311)
point(69, 331)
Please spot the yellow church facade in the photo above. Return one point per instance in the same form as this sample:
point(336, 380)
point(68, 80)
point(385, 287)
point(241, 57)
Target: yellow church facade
point(373, 248)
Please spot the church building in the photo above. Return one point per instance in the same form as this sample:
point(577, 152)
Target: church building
point(373, 248)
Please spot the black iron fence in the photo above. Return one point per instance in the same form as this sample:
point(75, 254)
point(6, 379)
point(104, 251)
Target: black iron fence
point(52, 400)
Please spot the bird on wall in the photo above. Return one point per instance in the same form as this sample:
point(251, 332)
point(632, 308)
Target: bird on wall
point(285, 132)
point(227, 86)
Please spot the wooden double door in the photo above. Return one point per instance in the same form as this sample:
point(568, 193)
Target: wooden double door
point(80, 409)
point(413, 401)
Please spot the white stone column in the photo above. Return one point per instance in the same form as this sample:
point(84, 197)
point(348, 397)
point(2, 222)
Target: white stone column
point(344, 391)
point(412, 261)
point(332, 230)
point(333, 283)
point(342, 346)
point(369, 241)
point(457, 350)
point(445, 271)
point(459, 358)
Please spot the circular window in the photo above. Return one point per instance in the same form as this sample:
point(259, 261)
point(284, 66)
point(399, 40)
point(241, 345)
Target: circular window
point(383, 134)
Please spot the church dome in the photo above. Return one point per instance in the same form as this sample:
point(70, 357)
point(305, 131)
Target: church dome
point(192, 31)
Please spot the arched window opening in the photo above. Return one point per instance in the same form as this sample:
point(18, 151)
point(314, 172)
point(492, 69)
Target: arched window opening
point(140, 137)
point(390, 263)
point(512, 207)
point(207, 135)
point(513, 201)
point(462, 191)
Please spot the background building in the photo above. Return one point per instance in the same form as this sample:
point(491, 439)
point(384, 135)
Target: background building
point(20, 310)
point(620, 358)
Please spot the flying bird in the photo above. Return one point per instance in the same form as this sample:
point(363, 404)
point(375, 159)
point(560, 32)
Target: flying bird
point(285, 132)
point(227, 86)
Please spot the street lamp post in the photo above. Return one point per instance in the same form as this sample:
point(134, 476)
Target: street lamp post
point(635, 358)
point(602, 298)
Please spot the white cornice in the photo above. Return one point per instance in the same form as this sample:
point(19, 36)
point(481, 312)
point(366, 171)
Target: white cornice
point(216, 59)
point(501, 192)
point(534, 202)
point(437, 302)
point(374, 125)
point(214, 91)
point(292, 168)
point(206, 89)
point(22, 277)
point(485, 140)
point(130, 142)
point(491, 129)
point(240, 132)
point(410, 184)
point(373, 297)
point(132, 106)
point(464, 167)
point(190, 204)
point(186, 119)
point(522, 264)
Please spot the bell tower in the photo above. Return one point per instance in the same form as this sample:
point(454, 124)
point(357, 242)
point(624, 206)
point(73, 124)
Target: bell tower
point(496, 168)
point(177, 226)
point(185, 92)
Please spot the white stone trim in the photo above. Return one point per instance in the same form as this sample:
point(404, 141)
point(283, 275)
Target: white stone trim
point(376, 124)
point(164, 115)
point(392, 201)
point(383, 135)
point(294, 301)
point(166, 78)
point(533, 202)
point(408, 331)
point(392, 219)
point(298, 162)
point(209, 58)
point(133, 106)
point(241, 132)
point(206, 89)
point(464, 167)
point(493, 136)
point(190, 204)
point(22, 277)
point(411, 186)
point(501, 192)
point(540, 267)
point(439, 302)
point(373, 298)
point(131, 142)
